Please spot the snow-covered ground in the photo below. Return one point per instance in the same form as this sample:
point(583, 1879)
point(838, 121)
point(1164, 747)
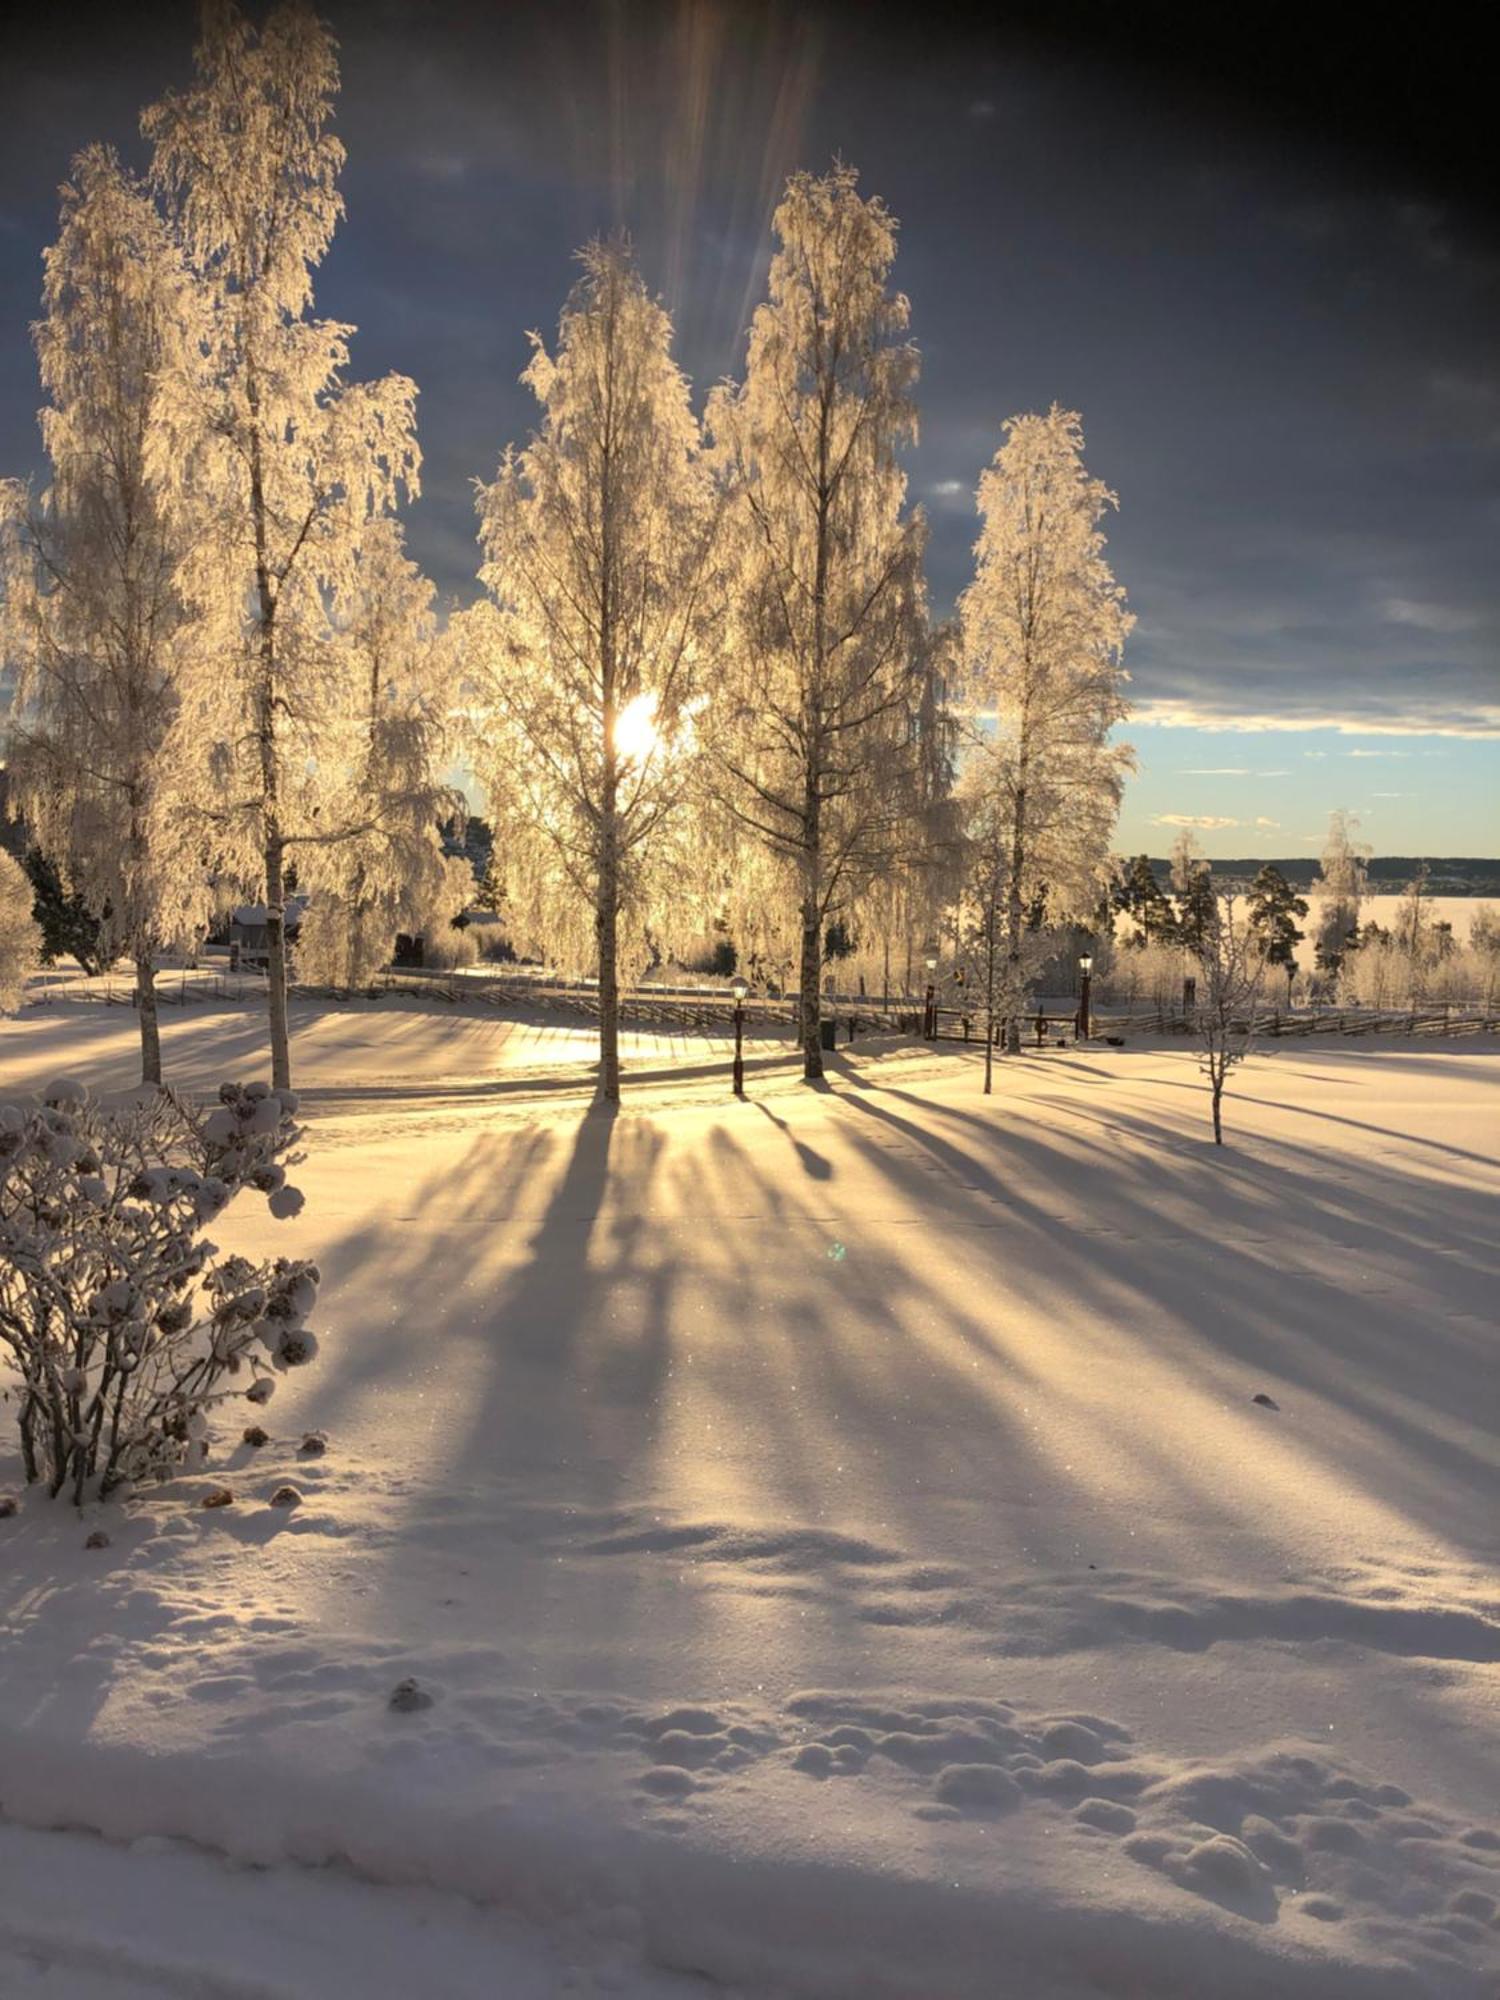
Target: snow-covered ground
point(836, 1533)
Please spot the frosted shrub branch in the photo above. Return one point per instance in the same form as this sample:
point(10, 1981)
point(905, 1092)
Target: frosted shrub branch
point(123, 1323)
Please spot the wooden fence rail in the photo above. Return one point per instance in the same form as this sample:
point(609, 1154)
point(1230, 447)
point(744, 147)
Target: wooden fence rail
point(715, 1010)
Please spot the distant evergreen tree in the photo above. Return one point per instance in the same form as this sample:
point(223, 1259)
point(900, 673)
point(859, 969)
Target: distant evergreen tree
point(490, 895)
point(1275, 914)
point(1141, 897)
point(837, 941)
point(69, 928)
point(1197, 907)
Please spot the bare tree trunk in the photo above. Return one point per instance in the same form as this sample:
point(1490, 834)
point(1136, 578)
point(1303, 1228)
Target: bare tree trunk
point(1218, 1097)
point(607, 926)
point(810, 996)
point(29, 1417)
point(270, 765)
point(145, 1000)
point(810, 1009)
point(281, 1046)
point(991, 918)
point(1013, 921)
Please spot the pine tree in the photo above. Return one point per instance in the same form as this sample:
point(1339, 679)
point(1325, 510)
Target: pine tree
point(1044, 626)
point(1275, 911)
point(817, 726)
point(1141, 897)
point(69, 928)
point(286, 463)
point(93, 619)
point(599, 539)
point(1192, 879)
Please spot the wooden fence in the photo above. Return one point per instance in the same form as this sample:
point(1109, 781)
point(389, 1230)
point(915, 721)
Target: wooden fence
point(713, 1009)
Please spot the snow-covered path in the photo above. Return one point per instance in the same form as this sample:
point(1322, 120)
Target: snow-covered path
point(836, 1529)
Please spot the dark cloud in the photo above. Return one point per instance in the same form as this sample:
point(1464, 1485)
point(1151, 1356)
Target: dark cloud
point(1254, 258)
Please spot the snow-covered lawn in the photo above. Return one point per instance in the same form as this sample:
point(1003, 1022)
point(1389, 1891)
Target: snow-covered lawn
point(837, 1534)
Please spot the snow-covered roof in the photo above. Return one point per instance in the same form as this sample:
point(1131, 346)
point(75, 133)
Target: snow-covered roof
point(250, 914)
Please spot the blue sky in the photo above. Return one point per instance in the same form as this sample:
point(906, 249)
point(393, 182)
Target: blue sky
point(1281, 326)
point(1258, 791)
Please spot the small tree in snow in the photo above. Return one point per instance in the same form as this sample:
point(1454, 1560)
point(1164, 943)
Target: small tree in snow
point(1231, 967)
point(997, 976)
point(124, 1323)
point(20, 939)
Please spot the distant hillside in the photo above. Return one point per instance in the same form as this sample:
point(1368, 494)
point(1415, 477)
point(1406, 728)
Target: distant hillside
point(1452, 875)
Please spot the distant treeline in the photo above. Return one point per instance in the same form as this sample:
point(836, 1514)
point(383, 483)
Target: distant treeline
point(1461, 875)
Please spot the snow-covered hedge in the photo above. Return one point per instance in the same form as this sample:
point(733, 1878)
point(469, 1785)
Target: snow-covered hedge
point(20, 940)
point(124, 1323)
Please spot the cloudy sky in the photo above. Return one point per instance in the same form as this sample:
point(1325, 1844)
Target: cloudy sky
point(1261, 268)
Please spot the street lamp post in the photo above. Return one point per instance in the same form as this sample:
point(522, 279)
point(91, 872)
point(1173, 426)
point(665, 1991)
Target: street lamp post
point(929, 1022)
point(1086, 970)
point(739, 988)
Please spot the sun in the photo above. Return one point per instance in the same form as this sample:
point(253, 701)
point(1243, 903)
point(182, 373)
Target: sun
point(636, 733)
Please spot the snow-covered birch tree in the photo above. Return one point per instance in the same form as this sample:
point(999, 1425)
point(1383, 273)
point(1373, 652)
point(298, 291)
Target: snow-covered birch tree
point(821, 705)
point(1339, 890)
point(382, 796)
point(288, 464)
point(1044, 626)
point(20, 937)
point(92, 618)
point(600, 539)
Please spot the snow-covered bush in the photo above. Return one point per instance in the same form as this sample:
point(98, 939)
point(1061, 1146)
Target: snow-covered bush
point(447, 948)
point(20, 939)
point(1147, 976)
point(124, 1324)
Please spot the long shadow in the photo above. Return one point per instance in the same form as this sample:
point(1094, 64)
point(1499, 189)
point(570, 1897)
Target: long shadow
point(1255, 1318)
point(1242, 1096)
point(620, 1336)
point(814, 1164)
point(527, 1083)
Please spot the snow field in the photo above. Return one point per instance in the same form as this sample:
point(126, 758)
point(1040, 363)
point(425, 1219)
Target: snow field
point(836, 1532)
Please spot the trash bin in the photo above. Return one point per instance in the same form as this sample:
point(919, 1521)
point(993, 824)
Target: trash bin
point(829, 1034)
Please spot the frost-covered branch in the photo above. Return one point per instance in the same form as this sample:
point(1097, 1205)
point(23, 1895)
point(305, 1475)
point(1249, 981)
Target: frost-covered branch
point(123, 1324)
